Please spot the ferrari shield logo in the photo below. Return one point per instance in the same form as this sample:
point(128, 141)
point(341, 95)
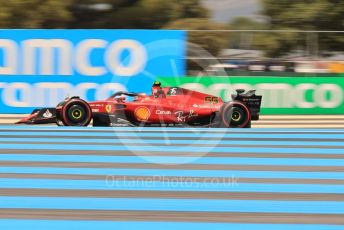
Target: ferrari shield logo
point(108, 108)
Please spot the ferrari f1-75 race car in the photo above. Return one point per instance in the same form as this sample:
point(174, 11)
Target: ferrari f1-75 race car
point(167, 106)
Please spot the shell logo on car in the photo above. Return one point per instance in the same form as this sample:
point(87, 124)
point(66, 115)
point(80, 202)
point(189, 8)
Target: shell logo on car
point(142, 113)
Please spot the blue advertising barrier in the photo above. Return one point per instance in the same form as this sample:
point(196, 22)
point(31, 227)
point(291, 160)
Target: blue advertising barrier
point(39, 68)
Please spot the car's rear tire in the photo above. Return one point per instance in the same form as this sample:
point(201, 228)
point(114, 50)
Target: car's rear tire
point(235, 115)
point(76, 112)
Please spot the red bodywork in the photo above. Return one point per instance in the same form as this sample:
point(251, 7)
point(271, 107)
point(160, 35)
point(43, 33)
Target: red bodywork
point(167, 106)
point(175, 105)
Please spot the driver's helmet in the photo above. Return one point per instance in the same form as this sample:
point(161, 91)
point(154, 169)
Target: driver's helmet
point(156, 89)
point(157, 84)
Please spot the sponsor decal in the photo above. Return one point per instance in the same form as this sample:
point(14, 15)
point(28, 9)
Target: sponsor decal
point(108, 108)
point(163, 112)
point(182, 117)
point(66, 52)
point(49, 94)
point(95, 110)
point(173, 91)
point(142, 113)
point(211, 100)
point(292, 95)
point(97, 105)
point(41, 67)
point(206, 106)
point(283, 95)
point(47, 114)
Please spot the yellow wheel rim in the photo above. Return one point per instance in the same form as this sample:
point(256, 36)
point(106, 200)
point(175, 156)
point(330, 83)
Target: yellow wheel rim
point(77, 114)
point(236, 116)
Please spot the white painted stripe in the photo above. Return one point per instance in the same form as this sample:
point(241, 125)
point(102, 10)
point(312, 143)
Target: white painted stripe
point(8, 120)
point(308, 121)
point(12, 115)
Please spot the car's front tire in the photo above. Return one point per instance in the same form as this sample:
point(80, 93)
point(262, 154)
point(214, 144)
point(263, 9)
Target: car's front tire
point(76, 112)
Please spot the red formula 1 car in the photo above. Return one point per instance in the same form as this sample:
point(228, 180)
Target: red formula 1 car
point(168, 106)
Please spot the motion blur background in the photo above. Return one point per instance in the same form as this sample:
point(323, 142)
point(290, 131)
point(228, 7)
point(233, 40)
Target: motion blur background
point(290, 51)
point(257, 35)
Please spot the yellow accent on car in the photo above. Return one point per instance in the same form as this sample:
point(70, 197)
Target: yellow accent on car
point(76, 114)
point(236, 116)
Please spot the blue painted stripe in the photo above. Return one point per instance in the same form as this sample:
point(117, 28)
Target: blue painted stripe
point(171, 148)
point(170, 142)
point(19, 224)
point(229, 185)
point(175, 173)
point(87, 133)
point(190, 205)
point(172, 160)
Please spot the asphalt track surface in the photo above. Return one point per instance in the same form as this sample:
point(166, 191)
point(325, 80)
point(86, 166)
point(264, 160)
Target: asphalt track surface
point(171, 178)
